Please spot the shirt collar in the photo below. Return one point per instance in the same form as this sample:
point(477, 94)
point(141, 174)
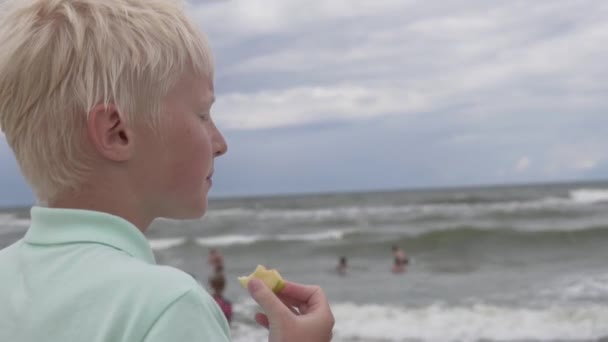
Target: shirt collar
point(52, 226)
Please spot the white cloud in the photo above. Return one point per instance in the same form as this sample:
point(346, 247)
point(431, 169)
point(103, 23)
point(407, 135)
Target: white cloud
point(472, 78)
point(488, 60)
point(306, 105)
point(243, 18)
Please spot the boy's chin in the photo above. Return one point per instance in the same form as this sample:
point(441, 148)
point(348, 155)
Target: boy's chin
point(192, 212)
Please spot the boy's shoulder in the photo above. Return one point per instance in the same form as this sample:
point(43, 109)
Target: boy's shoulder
point(146, 292)
point(93, 283)
point(171, 300)
point(157, 281)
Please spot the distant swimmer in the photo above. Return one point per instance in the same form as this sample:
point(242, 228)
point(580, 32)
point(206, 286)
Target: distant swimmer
point(217, 283)
point(398, 266)
point(398, 253)
point(400, 260)
point(215, 259)
point(342, 266)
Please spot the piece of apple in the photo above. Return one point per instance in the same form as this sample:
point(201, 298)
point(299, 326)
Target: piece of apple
point(271, 278)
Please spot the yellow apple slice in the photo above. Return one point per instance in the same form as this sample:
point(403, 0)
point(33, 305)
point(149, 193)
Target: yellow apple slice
point(271, 278)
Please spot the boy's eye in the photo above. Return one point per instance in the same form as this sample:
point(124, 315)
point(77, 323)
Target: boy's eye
point(204, 117)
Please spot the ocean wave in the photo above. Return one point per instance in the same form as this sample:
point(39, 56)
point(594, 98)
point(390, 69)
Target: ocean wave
point(581, 287)
point(509, 233)
point(436, 208)
point(234, 240)
point(589, 196)
point(454, 237)
point(442, 323)
point(452, 206)
point(473, 241)
point(160, 244)
point(229, 240)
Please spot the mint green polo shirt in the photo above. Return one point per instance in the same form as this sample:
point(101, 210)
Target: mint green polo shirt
point(84, 276)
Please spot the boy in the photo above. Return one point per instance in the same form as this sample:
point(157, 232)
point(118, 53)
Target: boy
point(106, 105)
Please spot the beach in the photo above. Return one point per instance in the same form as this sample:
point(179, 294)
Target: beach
point(504, 263)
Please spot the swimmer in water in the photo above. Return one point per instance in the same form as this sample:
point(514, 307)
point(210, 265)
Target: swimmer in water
point(400, 260)
point(215, 259)
point(342, 266)
point(218, 284)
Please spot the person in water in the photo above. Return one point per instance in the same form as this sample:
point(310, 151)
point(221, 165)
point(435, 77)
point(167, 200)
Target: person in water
point(400, 260)
point(398, 266)
point(342, 266)
point(215, 259)
point(217, 283)
point(106, 105)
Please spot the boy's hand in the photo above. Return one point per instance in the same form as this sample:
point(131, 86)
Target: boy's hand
point(299, 313)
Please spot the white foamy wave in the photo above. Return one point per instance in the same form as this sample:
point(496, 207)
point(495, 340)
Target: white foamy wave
point(230, 240)
point(243, 328)
point(441, 323)
point(160, 244)
point(230, 212)
point(589, 196)
point(235, 240)
point(579, 288)
point(321, 236)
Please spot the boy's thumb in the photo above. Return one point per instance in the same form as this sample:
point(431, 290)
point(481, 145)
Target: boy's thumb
point(270, 303)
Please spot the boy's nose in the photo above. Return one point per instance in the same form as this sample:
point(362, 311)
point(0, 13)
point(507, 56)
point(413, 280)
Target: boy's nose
point(220, 147)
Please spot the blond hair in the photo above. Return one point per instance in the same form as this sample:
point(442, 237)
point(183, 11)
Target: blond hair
point(60, 58)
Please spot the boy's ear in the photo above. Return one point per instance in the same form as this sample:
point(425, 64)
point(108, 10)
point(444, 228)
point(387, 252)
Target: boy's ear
point(110, 133)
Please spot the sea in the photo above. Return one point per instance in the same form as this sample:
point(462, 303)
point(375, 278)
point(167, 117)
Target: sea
point(501, 263)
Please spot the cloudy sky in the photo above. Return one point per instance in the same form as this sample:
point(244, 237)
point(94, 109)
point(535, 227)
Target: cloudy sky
point(341, 95)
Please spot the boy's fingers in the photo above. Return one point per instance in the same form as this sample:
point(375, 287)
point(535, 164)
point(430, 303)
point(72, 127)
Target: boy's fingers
point(271, 304)
point(290, 302)
point(312, 296)
point(293, 304)
point(293, 308)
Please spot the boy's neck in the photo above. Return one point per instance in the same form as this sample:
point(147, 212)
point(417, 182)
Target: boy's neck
point(121, 205)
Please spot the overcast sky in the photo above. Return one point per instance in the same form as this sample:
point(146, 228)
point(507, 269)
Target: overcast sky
point(335, 95)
